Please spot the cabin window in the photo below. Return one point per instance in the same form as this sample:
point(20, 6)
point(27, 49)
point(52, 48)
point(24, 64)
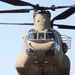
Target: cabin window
point(40, 35)
point(32, 36)
point(50, 36)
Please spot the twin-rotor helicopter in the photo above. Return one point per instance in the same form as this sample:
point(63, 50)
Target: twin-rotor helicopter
point(43, 48)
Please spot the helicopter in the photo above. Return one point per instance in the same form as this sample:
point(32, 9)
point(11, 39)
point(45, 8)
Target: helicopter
point(43, 50)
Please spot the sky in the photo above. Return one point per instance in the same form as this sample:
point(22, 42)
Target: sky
point(11, 35)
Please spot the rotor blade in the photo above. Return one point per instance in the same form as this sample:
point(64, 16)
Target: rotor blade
point(18, 3)
point(64, 26)
point(65, 14)
point(53, 7)
point(16, 23)
point(16, 11)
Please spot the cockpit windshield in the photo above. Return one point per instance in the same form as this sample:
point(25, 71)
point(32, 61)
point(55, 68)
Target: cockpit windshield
point(32, 36)
point(50, 36)
point(39, 36)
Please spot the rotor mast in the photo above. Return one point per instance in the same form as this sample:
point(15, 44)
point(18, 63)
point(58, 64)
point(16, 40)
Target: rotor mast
point(42, 20)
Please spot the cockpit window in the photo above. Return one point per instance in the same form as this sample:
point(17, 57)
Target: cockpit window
point(33, 30)
point(40, 35)
point(50, 36)
point(32, 36)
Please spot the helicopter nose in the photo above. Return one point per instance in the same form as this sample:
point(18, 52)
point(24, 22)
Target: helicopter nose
point(43, 47)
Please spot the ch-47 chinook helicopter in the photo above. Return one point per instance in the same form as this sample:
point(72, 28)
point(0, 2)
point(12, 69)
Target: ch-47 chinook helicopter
point(43, 50)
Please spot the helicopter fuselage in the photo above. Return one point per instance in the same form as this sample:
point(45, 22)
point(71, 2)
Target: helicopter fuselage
point(42, 52)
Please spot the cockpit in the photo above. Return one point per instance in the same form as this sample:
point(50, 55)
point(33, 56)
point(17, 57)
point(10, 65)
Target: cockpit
point(41, 35)
point(35, 40)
